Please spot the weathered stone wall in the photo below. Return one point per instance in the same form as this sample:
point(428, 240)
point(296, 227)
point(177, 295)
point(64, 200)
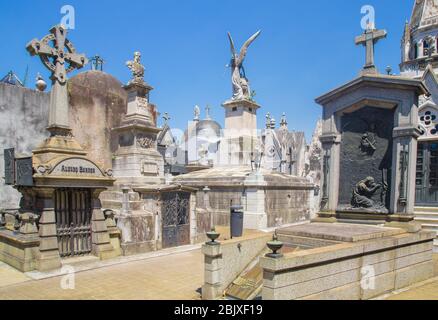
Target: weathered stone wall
point(281, 206)
point(287, 206)
point(23, 119)
point(220, 201)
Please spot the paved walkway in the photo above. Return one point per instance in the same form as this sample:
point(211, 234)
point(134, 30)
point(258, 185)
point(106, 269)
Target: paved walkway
point(161, 275)
point(172, 277)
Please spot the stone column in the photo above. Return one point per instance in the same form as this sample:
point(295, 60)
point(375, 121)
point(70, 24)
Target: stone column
point(211, 289)
point(403, 179)
point(330, 176)
point(48, 257)
point(255, 216)
point(101, 245)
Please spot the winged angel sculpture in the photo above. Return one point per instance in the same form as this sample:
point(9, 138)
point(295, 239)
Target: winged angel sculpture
point(239, 80)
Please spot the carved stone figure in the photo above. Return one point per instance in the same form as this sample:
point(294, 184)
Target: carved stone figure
point(368, 143)
point(363, 193)
point(136, 68)
point(239, 80)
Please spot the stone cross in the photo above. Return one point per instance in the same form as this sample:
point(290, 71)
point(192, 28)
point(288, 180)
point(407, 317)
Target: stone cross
point(166, 117)
point(369, 39)
point(207, 113)
point(97, 63)
point(60, 59)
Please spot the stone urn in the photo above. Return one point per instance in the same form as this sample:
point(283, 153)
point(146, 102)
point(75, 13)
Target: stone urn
point(274, 245)
point(213, 236)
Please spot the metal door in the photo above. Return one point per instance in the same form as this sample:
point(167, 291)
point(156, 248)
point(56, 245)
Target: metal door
point(427, 174)
point(176, 219)
point(73, 221)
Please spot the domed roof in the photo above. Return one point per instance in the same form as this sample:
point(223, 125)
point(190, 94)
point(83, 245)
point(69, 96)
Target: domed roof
point(212, 125)
point(99, 82)
point(208, 130)
point(98, 103)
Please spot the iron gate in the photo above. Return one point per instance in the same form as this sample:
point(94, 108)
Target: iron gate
point(176, 221)
point(73, 221)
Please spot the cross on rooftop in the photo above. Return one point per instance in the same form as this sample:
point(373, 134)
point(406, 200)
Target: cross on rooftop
point(97, 63)
point(368, 39)
point(166, 117)
point(207, 112)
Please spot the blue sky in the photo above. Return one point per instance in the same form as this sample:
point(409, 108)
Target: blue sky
point(306, 47)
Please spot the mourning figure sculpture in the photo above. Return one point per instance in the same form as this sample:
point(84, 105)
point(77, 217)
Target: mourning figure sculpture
point(363, 193)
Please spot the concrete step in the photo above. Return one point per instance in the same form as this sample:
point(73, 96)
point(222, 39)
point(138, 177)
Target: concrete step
point(426, 209)
point(426, 215)
point(435, 246)
point(430, 227)
point(430, 221)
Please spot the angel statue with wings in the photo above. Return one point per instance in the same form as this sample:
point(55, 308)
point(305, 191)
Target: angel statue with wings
point(239, 80)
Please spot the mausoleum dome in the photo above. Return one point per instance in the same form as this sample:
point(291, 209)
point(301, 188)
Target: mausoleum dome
point(208, 128)
point(98, 82)
point(98, 103)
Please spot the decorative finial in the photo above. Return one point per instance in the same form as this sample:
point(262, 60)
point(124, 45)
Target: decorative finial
point(213, 236)
point(40, 84)
point(197, 113)
point(207, 112)
point(283, 122)
point(136, 68)
point(268, 120)
point(388, 70)
point(275, 245)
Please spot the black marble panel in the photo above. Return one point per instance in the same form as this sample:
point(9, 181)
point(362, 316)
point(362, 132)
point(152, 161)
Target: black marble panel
point(366, 151)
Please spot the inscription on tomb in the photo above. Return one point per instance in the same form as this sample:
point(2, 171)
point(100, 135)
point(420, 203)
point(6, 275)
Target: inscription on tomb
point(366, 159)
point(77, 167)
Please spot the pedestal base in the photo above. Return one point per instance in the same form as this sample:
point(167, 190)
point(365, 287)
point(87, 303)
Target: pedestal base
point(47, 261)
point(405, 222)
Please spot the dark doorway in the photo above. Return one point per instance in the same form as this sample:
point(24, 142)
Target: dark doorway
point(176, 219)
point(73, 221)
point(426, 192)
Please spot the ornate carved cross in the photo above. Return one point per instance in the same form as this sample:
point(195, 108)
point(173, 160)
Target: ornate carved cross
point(369, 39)
point(56, 57)
point(59, 56)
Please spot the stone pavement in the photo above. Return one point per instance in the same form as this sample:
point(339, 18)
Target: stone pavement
point(172, 277)
point(162, 276)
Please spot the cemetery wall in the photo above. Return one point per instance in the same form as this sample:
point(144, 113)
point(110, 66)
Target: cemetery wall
point(23, 122)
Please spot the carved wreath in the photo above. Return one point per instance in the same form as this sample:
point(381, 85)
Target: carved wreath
point(145, 143)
